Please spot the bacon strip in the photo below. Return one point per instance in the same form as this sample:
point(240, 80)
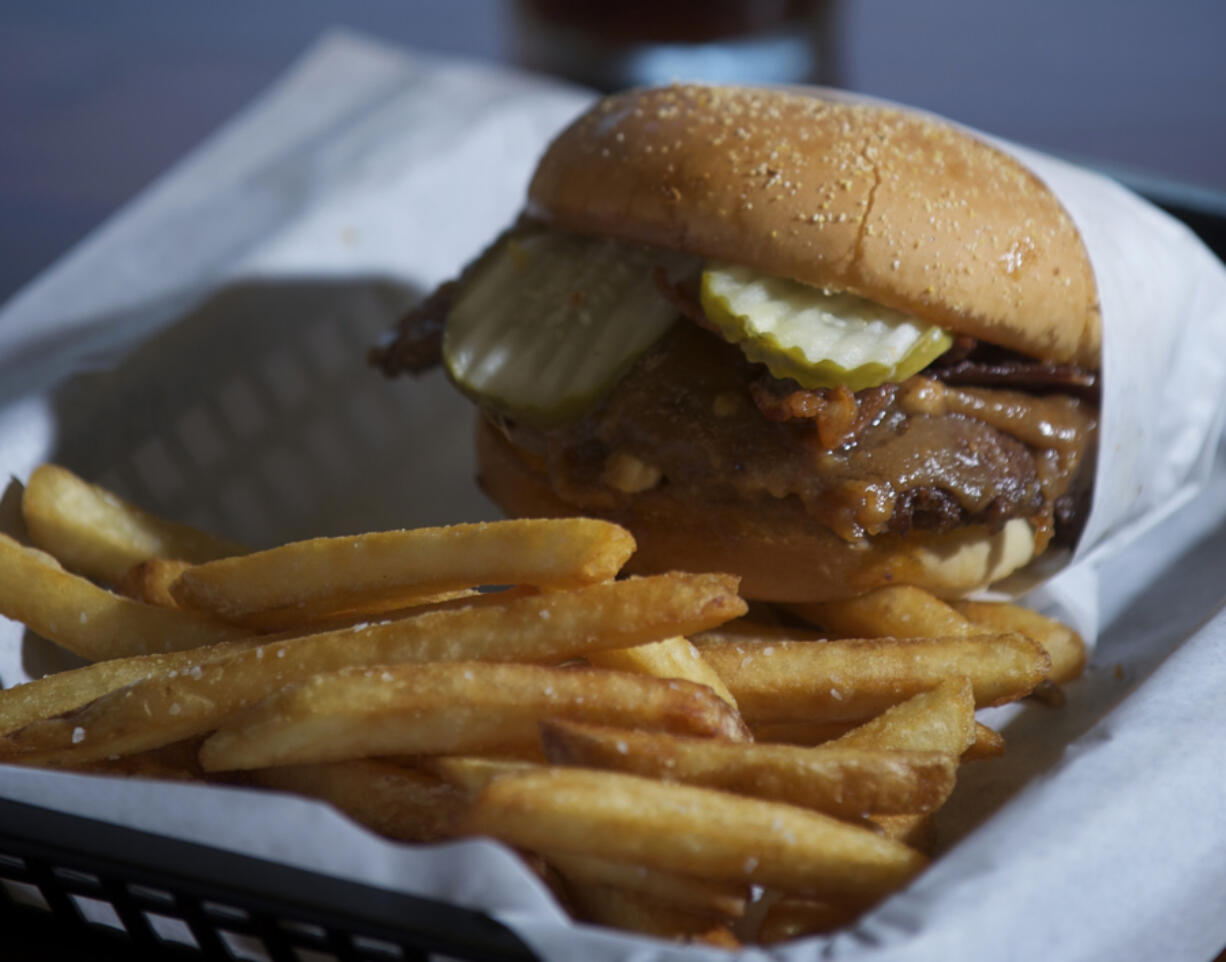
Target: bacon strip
point(418, 344)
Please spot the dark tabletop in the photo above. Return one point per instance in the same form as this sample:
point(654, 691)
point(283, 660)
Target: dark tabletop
point(98, 98)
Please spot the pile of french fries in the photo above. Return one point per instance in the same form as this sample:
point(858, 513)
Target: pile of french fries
point(668, 760)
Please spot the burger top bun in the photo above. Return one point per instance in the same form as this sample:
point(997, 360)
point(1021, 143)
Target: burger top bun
point(890, 205)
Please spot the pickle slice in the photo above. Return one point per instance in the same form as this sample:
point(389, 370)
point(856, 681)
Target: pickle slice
point(547, 322)
point(817, 338)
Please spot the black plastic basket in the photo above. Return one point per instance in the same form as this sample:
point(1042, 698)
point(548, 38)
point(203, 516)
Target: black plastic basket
point(74, 888)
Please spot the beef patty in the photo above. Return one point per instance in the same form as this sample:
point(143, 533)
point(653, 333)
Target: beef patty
point(694, 415)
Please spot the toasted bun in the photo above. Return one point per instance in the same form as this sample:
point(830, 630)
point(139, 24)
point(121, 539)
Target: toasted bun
point(903, 210)
point(780, 553)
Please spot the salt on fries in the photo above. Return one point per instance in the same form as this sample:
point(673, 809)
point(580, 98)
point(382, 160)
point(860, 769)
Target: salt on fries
point(175, 704)
point(845, 781)
point(602, 727)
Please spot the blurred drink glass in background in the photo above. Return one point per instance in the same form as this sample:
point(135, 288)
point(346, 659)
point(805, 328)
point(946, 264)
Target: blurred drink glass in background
point(613, 44)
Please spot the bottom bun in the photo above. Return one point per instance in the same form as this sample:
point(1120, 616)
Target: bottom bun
point(780, 552)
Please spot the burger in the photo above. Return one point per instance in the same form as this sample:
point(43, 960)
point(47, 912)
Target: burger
point(825, 346)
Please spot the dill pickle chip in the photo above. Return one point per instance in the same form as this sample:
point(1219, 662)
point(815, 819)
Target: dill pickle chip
point(547, 322)
point(815, 337)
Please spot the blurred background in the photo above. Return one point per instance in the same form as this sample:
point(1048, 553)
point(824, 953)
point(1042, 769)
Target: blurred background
point(96, 99)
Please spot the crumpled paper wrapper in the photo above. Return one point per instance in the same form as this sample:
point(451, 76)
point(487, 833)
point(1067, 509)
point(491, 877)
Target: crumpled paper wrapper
point(225, 313)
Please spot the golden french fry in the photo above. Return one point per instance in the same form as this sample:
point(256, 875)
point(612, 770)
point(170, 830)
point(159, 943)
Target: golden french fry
point(554, 626)
point(471, 773)
point(761, 623)
point(807, 733)
point(719, 937)
point(987, 744)
point(1064, 646)
point(44, 698)
point(90, 621)
point(895, 611)
point(939, 720)
point(917, 831)
point(632, 911)
point(97, 534)
point(150, 581)
point(385, 570)
point(451, 708)
point(903, 611)
point(398, 802)
point(291, 622)
point(287, 625)
point(174, 762)
point(683, 892)
point(670, 658)
point(857, 678)
point(840, 781)
point(791, 917)
point(693, 831)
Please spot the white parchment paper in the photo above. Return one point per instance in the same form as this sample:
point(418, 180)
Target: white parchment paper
point(225, 313)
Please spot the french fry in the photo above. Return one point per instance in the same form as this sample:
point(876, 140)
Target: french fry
point(858, 678)
point(398, 802)
point(792, 917)
point(987, 744)
point(44, 698)
point(632, 911)
point(99, 535)
point(150, 581)
point(846, 782)
point(694, 895)
point(903, 611)
point(451, 708)
point(291, 622)
point(174, 762)
point(917, 831)
point(549, 627)
point(760, 623)
point(939, 720)
point(1064, 646)
point(693, 831)
point(942, 720)
point(297, 626)
point(90, 621)
point(385, 570)
point(471, 773)
point(670, 658)
point(895, 611)
point(801, 732)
